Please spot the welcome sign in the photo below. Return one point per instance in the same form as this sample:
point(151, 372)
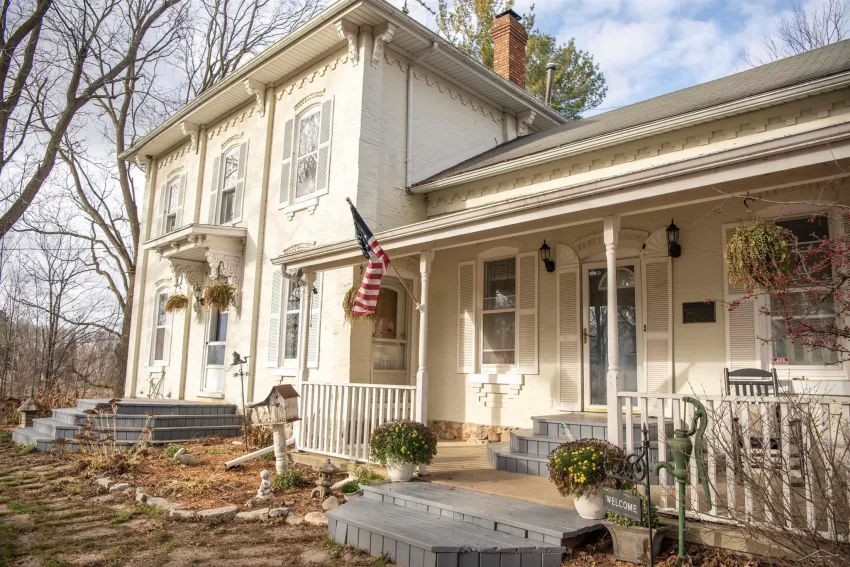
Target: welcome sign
point(624, 504)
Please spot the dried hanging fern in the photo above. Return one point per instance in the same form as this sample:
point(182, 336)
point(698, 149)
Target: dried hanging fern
point(177, 302)
point(219, 296)
point(348, 305)
point(758, 255)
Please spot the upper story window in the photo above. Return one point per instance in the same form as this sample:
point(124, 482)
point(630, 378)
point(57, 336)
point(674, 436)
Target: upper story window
point(171, 205)
point(306, 156)
point(498, 320)
point(173, 199)
point(228, 185)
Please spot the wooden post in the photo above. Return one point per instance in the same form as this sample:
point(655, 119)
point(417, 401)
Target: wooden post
point(611, 229)
point(425, 260)
point(303, 346)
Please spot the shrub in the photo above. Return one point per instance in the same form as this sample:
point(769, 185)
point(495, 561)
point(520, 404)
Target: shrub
point(758, 254)
point(349, 487)
point(267, 456)
point(26, 448)
point(365, 475)
point(171, 450)
point(403, 441)
point(621, 520)
point(288, 480)
point(583, 467)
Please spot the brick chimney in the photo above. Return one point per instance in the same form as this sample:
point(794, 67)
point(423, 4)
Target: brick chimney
point(509, 39)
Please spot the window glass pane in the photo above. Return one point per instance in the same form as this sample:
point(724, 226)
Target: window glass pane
point(170, 223)
point(161, 315)
point(386, 314)
point(809, 304)
point(221, 328)
point(173, 193)
point(499, 338)
point(389, 356)
point(159, 345)
point(215, 354)
point(290, 339)
point(231, 168)
point(227, 198)
point(500, 284)
point(306, 177)
point(308, 133)
point(807, 229)
point(293, 301)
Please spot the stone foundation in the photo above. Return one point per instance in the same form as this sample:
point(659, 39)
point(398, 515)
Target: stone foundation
point(470, 432)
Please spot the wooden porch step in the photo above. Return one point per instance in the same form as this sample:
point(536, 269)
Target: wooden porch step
point(414, 538)
point(503, 458)
point(525, 441)
point(537, 522)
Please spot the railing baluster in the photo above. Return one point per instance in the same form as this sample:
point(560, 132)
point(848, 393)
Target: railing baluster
point(747, 464)
point(830, 466)
point(711, 462)
point(785, 446)
point(767, 457)
point(731, 443)
point(662, 451)
point(346, 402)
point(630, 434)
point(395, 404)
point(335, 411)
point(811, 520)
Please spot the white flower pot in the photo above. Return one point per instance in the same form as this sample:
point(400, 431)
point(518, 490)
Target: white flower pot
point(400, 472)
point(590, 506)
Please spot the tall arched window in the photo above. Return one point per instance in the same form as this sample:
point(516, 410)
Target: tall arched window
point(160, 329)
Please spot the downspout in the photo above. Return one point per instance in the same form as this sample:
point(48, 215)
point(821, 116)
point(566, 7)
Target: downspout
point(261, 241)
point(409, 148)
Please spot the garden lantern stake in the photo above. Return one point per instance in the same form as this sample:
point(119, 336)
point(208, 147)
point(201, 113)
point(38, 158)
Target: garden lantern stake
point(682, 447)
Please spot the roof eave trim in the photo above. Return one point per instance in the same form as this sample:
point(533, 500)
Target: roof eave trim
point(740, 106)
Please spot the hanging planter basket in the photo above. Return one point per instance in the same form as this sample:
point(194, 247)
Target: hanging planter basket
point(177, 302)
point(758, 255)
point(219, 296)
point(348, 305)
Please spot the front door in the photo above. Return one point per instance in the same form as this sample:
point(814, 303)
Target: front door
point(215, 351)
point(595, 329)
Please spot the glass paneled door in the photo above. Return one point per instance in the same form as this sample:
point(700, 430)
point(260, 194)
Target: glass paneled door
point(216, 347)
point(595, 330)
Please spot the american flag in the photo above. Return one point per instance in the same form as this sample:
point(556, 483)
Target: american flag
point(367, 295)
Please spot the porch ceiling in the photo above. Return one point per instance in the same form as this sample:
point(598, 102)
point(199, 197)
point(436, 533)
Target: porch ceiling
point(808, 157)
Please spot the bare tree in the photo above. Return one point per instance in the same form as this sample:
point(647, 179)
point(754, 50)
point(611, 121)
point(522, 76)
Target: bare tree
point(56, 75)
point(227, 33)
point(804, 30)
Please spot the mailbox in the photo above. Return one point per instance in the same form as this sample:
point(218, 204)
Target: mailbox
point(280, 406)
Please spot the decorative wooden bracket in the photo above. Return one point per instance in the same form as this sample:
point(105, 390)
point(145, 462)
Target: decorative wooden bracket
point(145, 163)
point(257, 89)
point(191, 130)
point(524, 121)
point(383, 35)
point(349, 31)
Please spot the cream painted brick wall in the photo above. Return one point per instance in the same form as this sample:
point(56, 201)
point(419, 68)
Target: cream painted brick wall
point(699, 349)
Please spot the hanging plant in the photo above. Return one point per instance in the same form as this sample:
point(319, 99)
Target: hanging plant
point(219, 296)
point(758, 255)
point(177, 302)
point(348, 305)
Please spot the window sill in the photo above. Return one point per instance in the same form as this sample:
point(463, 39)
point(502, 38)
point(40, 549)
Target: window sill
point(309, 203)
point(285, 372)
point(210, 395)
point(157, 367)
point(513, 379)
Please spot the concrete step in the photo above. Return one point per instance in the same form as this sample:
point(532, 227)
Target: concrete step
point(142, 406)
point(547, 524)
point(29, 436)
point(413, 538)
point(503, 458)
point(73, 416)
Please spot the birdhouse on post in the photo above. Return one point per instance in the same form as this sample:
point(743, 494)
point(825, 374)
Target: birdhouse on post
point(277, 409)
point(28, 411)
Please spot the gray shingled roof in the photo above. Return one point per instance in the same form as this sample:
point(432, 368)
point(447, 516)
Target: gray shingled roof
point(808, 66)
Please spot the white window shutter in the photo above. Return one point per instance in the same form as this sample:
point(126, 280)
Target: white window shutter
point(658, 324)
point(466, 331)
point(324, 146)
point(214, 191)
point(286, 164)
point(315, 324)
point(166, 349)
point(163, 206)
point(274, 320)
point(151, 317)
point(240, 181)
point(742, 343)
point(569, 339)
point(526, 324)
point(178, 216)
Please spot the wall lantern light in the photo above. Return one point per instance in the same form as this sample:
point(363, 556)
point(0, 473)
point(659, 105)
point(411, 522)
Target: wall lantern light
point(545, 251)
point(673, 248)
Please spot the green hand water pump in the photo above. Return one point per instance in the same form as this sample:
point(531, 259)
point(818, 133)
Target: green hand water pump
point(682, 447)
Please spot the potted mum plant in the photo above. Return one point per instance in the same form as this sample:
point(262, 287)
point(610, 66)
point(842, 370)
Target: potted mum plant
point(581, 469)
point(401, 446)
point(630, 538)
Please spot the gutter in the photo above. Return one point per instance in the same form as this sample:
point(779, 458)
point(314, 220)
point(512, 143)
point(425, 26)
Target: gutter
point(344, 253)
point(741, 106)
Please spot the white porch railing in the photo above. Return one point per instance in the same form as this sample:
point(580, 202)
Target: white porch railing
point(769, 460)
point(338, 419)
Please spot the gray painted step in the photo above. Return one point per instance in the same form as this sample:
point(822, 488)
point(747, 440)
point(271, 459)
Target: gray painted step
point(55, 428)
point(581, 425)
point(525, 441)
point(417, 539)
point(73, 416)
point(141, 406)
point(29, 436)
point(529, 520)
point(503, 458)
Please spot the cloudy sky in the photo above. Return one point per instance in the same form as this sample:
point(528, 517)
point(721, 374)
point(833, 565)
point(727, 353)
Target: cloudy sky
point(650, 47)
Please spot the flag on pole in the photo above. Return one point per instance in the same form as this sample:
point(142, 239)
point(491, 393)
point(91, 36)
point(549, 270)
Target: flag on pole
point(367, 296)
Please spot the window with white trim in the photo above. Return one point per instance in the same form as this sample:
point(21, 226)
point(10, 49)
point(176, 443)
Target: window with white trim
point(308, 152)
point(498, 315)
point(230, 178)
point(161, 331)
point(172, 204)
point(292, 317)
point(306, 156)
point(808, 230)
point(285, 322)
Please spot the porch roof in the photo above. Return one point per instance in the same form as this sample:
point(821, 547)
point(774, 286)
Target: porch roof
point(806, 157)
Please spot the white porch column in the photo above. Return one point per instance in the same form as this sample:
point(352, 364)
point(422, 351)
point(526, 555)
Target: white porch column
point(303, 345)
point(425, 259)
point(615, 419)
